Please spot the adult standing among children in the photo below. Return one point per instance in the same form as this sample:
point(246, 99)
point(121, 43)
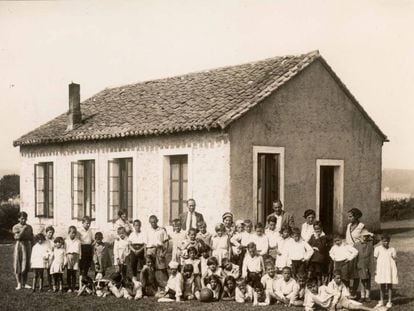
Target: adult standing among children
point(284, 219)
point(23, 234)
point(352, 236)
point(122, 221)
point(190, 218)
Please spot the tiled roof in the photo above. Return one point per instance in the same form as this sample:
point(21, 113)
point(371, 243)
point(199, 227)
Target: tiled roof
point(196, 101)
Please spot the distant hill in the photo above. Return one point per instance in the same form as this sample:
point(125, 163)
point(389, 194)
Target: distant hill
point(398, 180)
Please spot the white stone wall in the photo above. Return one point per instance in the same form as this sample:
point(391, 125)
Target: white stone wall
point(208, 174)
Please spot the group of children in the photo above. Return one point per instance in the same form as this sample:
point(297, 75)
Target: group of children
point(259, 265)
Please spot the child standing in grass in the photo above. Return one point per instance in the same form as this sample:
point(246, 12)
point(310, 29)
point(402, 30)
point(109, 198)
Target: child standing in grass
point(195, 262)
point(299, 252)
point(365, 260)
point(58, 264)
point(319, 262)
point(40, 260)
point(86, 238)
point(272, 235)
point(386, 274)
point(101, 255)
point(73, 255)
point(50, 231)
point(177, 238)
point(137, 249)
point(342, 254)
point(253, 265)
point(121, 251)
point(261, 240)
point(283, 244)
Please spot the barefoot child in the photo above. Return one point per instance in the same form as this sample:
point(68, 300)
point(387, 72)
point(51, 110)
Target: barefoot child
point(386, 274)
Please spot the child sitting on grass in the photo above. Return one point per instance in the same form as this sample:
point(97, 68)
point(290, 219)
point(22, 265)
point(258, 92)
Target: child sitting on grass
point(230, 269)
point(148, 278)
point(213, 269)
point(244, 292)
point(196, 263)
point(191, 288)
point(260, 296)
point(174, 288)
point(268, 280)
point(286, 288)
point(215, 286)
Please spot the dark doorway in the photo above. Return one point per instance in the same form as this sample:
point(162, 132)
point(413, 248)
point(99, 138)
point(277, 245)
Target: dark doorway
point(267, 184)
point(326, 197)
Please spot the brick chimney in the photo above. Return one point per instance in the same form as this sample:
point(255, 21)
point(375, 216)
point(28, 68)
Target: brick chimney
point(74, 113)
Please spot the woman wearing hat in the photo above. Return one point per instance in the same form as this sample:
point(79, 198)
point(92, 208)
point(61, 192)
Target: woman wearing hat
point(353, 236)
point(228, 223)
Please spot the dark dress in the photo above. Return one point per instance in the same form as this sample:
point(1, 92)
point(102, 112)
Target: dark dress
point(365, 259)
point(319, 261)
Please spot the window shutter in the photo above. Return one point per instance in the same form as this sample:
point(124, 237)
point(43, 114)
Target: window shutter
point(50, 190)
point(40, 190)
point(77, 190)
point(92, 177)
point(129, 188)
point(113, 189)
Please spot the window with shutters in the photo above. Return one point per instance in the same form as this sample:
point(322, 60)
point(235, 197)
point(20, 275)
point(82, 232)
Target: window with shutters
point(178, 184)
point(83, 189)
point(120, 188)
point(44, 190)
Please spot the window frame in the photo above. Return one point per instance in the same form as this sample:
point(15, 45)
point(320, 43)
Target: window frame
point(178, 159)
point(48, 190)
point(123, 184)
point(88, 189)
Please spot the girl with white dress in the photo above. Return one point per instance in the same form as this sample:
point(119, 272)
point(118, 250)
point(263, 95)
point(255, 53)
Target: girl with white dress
point(220, 243)
point(386, 274)
point(58, 264)
point(39, 260)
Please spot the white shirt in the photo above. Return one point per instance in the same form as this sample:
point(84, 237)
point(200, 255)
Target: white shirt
point(262, 244)
point(156, 237)
point(73, 246)
point(307, 231)
point(283, 288)
point(241, 297)
point(252, 264)
point(136, 237)
point(278, 222)
point(175, 282)
point(121, 250)
point(268, 282)
point(246, 238)
point(299, 250)
point(191, 218)
point(273, 237)
point(85, 236)
point(343, 252)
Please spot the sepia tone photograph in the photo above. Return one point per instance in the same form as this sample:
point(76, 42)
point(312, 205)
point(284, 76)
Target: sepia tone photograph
point(176, 155)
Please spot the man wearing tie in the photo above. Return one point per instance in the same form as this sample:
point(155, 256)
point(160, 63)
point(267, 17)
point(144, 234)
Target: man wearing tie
point(190, 218)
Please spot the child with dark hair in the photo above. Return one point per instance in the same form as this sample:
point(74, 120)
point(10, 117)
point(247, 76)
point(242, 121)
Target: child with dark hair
point(195, 263)
point(204, 252)
point(283, 244)
point(261, 240)
point(137, 249)
point(229, 268)
point(58, 263)
point(190, 240)
point(286, 288)
point(177, 238)
point(101, 255)
point(157, 246)
point(273, 235)
point(86, 238)
point(253, 265)
point(73, 255)
point(121, 251)
point(260, 296)
point(191, 290)
point(342, 254)
point(39, 260)
point(386, 273)
point(202, 233)
point(307, 227)
point(229, 288)
point(215, 286)
point(148, 279)
point(319, 262)
point(49, 233)
point(220, 243)
point(243, 292)
point(299, 253)
point(268, 280)
point(365, 263)
point(213, 269)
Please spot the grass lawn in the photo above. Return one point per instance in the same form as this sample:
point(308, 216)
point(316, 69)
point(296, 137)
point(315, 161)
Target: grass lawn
point(10, 299)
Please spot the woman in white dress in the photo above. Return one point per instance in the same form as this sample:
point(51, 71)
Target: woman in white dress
point(386, 274)
point(307, 227)
point(353, 236)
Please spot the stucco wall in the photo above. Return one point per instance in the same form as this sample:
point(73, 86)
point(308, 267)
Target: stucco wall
point(208, 174)
point(312, 118)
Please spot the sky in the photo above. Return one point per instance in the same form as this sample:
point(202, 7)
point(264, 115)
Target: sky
point(46, 45)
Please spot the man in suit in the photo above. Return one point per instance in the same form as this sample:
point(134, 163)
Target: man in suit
point(190, 218)
point(284, 219)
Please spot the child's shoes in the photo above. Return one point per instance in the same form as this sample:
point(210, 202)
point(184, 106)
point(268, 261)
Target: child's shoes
point(389, 304)
point(380, 303)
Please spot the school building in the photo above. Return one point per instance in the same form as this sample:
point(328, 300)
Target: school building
point(233, 138)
